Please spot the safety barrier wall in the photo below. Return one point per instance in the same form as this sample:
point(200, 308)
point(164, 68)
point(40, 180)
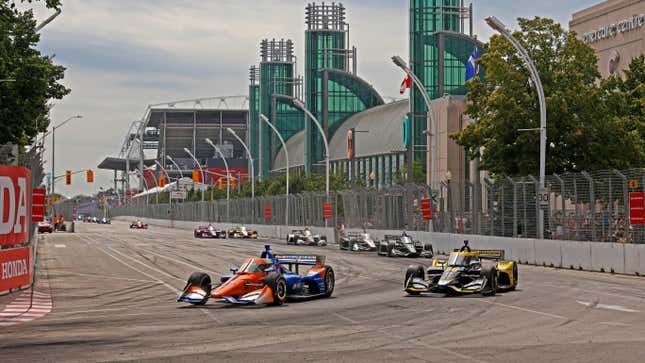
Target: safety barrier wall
point(589, 256)
point(264, 231)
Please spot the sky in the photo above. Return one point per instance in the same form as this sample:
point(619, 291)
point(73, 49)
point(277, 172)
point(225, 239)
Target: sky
point(122, 55)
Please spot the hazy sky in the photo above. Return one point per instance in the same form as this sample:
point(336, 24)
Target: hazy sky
point(122, 55)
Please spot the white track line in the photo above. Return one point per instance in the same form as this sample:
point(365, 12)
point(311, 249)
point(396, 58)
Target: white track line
point(170, 287)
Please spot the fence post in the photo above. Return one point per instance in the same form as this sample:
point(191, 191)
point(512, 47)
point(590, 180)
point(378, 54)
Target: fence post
point(592, 204)
point(513, 183)
point(564, 205)
point(537, 205)
point(623, 177)
point(491, 220)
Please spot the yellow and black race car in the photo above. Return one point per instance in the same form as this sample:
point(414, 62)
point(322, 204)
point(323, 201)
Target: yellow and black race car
point(477, 271)
point(241, 232)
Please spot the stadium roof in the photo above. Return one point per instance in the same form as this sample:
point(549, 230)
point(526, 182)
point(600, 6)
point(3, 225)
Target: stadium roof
point(119, 164)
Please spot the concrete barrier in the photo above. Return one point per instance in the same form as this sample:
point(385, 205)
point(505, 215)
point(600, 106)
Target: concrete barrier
point(589, 256)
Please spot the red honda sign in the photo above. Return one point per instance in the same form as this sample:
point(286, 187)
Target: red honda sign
point(327, 211)
point(15, 205)
point(426, 209)
point(15, 268)
point(267, 212)
point(38, 205)
point(637, 208)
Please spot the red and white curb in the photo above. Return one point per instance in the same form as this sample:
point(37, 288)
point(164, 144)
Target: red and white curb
point(29, 305)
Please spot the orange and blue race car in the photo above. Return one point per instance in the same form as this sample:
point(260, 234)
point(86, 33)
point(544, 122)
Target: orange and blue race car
point(268, 280)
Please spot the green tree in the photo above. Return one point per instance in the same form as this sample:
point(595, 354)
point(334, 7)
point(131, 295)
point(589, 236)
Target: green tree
point(624, 109)
point(24, 103)
point(577, 125)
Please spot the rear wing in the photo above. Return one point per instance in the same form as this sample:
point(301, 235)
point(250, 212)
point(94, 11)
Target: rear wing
point(307, 260)
point(488, 254)
point(389, 237)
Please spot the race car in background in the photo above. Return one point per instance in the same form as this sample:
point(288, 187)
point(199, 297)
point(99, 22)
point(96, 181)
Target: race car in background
point(305, 237)
point(268, 280)
point(357, 242)
point(105, 221)
point(205, 232)
point(404, 246)
point(45, 227)
point(477, 271)
point(241, 232)
point(138, 225)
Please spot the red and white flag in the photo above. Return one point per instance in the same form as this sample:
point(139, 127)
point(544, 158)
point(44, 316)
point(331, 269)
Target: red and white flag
point(405, 84)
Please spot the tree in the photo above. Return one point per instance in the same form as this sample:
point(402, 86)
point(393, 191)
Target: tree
point(624, 107)
point(577, 126)
point(24, 103)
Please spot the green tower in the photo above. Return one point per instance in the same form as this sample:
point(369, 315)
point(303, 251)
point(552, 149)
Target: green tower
point(326, 41)
point(277, 74)
point(254, 115)
point(439, 50)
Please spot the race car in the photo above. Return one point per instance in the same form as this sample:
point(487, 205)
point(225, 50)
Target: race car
point(45, 227)
point(477, 271)
point(404, 246)
point(241, 232)
point(104, 221)
point(206, 232)
point(268, 280)
point(305, 237)
point(357, 242)
point(138, 225)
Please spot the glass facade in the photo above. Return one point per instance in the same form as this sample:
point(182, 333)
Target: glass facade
point(254, 120)
point(436, 58)
point(323, 49)
point(276, 78)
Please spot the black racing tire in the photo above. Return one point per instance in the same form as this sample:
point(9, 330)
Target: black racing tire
point(491, 275)
point(202, 280)
point(278, 286)
point(515, 277)
point(428, 246)
point(413, 271)
point(330, 281)
point(390, 247)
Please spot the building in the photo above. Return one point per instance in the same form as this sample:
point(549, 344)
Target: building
point(615, 29)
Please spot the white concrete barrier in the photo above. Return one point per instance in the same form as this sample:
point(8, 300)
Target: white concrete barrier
point(589, 256)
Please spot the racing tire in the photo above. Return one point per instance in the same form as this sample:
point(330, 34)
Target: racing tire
point(202, 280)
point(390, 247)
point(491, 277)
point(278, 286)
point(330, 281)
point(428, 247)
point(515, 277)
point(413, 271)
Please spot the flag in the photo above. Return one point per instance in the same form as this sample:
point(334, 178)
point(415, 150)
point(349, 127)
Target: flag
point(472, 68)
point(405, 84)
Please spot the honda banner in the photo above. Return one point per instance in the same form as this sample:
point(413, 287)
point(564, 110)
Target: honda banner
point(15, 205)
point(15, 268)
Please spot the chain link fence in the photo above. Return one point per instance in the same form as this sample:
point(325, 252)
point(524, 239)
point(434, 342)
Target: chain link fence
point(581, 207)
point(304, 210)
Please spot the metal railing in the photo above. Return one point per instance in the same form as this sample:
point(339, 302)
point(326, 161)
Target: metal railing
point(582, 206)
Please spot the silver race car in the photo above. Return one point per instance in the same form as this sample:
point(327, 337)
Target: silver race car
point(361, 241)
point(304, 237)
point(404, 246)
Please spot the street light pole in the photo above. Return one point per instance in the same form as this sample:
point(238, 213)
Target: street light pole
point(228, 177)
point(286, 153)
point(181, 173)
point(167, 176)
point(299, 104)
point(430, 116)
point(496, 24)
point(248, 152)
point(54, 154)
point(199, 166)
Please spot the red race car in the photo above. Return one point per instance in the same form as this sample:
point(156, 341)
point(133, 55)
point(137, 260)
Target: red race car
point(45, 227)
point(209, 232)
point(138, 225)
point(268, 280)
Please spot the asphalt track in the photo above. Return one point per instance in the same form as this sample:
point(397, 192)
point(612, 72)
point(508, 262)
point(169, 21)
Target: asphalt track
point(114, 292)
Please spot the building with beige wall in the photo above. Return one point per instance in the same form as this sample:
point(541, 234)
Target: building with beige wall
point(615, 29)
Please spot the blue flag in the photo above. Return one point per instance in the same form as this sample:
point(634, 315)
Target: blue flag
point(472, 68)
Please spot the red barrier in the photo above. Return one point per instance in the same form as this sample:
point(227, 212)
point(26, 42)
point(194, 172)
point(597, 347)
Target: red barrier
point(15, 205)
point(637, 208)
point(38, 205)
point(327, 210)
point(15, 268)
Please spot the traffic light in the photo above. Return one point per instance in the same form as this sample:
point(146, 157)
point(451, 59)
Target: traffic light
point(48, 201)
point(56, 198)
point(102, 200)
point(195, 176)
point(90, 176)
point(162, 182)
point(68, 177)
